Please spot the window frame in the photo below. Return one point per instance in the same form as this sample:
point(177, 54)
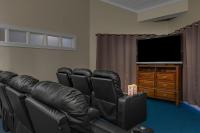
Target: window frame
point(45, 35)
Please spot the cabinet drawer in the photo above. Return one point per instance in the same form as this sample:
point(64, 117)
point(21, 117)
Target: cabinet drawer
point(166, 85)
point(146, 83)
point(166, 76)
point(168, 95)
point(149, 91)
point(146, 75)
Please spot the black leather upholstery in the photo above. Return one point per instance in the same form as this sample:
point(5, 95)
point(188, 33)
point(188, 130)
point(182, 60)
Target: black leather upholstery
point(64, 76)
point(46, 119)
point(5, 76)
point(0, 103)
point(107, 90)
point(23, 83)
point(106, 74)
point(113, 105)
point(132, 110)
point(17, 91)
point(48, 107)
point(68, 100)
point(6, 108)
point(81, 79)
point(103, 126)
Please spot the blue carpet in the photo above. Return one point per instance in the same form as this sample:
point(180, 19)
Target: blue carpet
point(166, 117)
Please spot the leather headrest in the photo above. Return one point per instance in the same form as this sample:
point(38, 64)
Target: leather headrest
point(23, 83)
point(65, 70)
point(106, 74)
point(82, 71)
point(110, 75)
point(5, 76)
point(64, 98)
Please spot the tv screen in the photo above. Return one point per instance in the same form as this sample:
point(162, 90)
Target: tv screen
point(163, 49)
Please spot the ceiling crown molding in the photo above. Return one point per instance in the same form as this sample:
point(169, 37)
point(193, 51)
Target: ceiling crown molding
point(119, 5)
point(142, 10)
point(160, 5)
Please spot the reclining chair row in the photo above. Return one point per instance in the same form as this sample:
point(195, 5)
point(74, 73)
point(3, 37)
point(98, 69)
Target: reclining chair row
point(30, 106)
point(102, 90)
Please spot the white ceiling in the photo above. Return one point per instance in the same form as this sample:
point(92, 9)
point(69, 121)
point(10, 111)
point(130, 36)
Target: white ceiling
point(139, 5)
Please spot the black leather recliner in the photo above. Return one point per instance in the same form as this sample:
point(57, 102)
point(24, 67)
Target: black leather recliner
point(114, 106)
point(0, 102)
point(81, 79)
point(19, 88)
point(57, 106)
point(6, 108)
point(64, 76)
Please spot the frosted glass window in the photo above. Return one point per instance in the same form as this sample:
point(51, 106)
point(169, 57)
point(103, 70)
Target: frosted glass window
point(52, 41)
point(67, 42)
point(17, 36)
point(36, 38)
point(2, 35)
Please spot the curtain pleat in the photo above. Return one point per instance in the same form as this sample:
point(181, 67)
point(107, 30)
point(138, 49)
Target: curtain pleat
point(191, 63)
point(118, 53)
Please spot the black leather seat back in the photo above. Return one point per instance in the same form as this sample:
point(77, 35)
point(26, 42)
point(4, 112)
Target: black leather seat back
point(81, 79)
point(101, 90)
point(5, 76)
point(64, 76)
point(66, 99)
point(18, 89)
point(4, 98)
point(6, 108)
point(46, 119)
point(61, 97)
point(106, 86)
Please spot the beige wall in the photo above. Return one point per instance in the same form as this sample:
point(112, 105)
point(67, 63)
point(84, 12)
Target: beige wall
point(62, 16)
point(191, 16)
point(105, 18)
point(83, 18)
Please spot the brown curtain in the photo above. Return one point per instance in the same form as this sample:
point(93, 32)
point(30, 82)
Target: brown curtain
point(191, 63)
point(118, 53)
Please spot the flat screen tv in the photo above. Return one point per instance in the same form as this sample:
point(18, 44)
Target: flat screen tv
point(162, 49)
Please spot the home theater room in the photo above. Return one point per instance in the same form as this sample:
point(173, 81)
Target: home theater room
point(99, 66)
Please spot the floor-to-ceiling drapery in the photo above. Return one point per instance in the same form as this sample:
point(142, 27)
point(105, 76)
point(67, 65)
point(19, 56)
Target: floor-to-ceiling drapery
point(191, 63)
point(118, 53)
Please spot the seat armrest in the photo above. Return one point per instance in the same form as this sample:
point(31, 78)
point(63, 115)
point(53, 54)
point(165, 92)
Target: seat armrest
point(132, 110)
point(93, 113)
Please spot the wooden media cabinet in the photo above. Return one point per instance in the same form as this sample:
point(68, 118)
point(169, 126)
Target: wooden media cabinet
point(160, 81)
